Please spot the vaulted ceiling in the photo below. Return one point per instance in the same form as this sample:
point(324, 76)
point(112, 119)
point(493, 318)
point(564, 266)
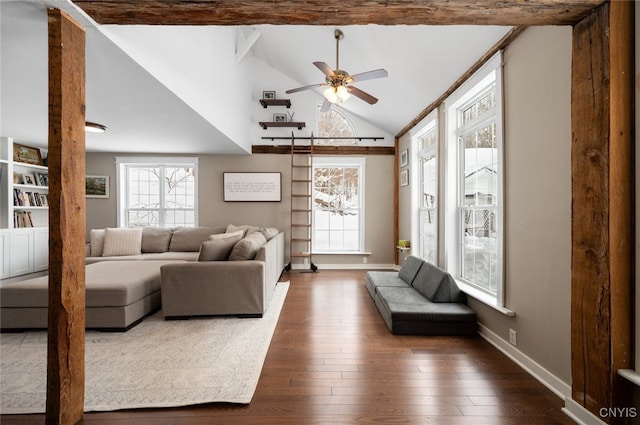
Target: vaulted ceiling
point(160, 89)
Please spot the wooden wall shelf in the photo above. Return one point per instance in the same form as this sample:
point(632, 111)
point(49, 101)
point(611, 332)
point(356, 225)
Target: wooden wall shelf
point(275, 102)
point(266, 125)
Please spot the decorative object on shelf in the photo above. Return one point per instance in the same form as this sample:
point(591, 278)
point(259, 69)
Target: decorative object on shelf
point(269, 95)
point(291, 114)
point(404, 177)
point(28, 179)
point(252, 187)
point(404, 158)
point(42, 179)
point(279, 117)
point(16, 178)
point(403, 243)
point(97, 186)
point(27, 154)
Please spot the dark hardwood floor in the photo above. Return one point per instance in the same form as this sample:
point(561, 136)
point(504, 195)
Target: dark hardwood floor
point(333, 361)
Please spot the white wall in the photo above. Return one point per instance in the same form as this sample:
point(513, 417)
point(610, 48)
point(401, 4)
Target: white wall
point(537, 89)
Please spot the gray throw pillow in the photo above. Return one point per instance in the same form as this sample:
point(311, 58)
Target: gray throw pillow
point(156, 239)
point(248, 247)
point(217, 249)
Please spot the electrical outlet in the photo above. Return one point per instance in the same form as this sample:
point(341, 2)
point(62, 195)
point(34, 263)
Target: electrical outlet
point(306, 261)
point(513, 337)
point(364, 260)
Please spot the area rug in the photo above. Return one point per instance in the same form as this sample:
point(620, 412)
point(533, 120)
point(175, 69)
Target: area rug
point(158, 363)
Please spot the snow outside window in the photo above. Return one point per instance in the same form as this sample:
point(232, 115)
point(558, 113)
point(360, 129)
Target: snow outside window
point(152, 193)
point(338, 204)
point(474, 161)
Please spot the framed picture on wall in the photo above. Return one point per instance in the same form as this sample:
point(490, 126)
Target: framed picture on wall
point(404, 158)
point(404, 177)
point(97, 186)
point(252, 187)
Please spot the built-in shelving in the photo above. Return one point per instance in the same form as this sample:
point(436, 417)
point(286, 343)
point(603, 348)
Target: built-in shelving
point(275, 102)
point(266, 125)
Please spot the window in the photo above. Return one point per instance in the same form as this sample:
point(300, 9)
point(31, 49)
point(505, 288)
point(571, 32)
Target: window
point(338, 204)
point(159, 192)
point(474, 161)
point(334, 124)
point(427, 210)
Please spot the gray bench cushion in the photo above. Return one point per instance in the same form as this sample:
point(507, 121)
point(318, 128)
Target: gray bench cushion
point(437, 285)
point(374, 279)
point(410, 269)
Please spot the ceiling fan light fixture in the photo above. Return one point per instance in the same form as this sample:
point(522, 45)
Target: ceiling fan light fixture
point(337, 95)
point(92, 127)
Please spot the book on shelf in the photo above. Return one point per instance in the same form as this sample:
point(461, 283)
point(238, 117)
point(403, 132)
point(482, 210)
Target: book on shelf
point(22, 219)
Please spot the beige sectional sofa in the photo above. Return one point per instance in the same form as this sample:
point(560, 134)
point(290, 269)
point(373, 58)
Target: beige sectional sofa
point(225, 270)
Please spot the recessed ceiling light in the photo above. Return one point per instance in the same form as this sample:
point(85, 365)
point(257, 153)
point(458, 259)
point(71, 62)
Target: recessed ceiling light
point(93, 127)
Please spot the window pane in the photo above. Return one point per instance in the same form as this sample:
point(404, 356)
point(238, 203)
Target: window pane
point(333, 124)
point(480, 248)
point(179, 187)
point(137, 218)
point(480, 167)
point(428, 235)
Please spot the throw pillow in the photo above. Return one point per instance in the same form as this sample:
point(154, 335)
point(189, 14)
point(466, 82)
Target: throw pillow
point(247, 229)
point(156, 239)
point(269, 232)
point(122, 241)
point(217, 249)
point(97, 242)
point(248, 247)
point(226, 235)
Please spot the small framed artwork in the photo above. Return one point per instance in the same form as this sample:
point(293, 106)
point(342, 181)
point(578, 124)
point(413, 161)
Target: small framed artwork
point(404, 177)
point(28, 179)
point(279, 117)
point(404, 158)
point(26, 154)
point(97, 186)
point(42, 179)
point(269, 94)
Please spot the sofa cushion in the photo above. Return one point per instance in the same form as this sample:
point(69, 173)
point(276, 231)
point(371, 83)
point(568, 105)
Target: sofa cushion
point(190, 238)
point(218, 247)
point(269, 232)
point(375, 279)
point(97, 242)
point(156, 239)
point(122, 241)
point(410, 269)
point(247, 229)
point(437, 285)
point(248, 247)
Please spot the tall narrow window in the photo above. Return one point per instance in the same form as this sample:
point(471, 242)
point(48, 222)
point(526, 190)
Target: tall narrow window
point(338, 204)
point(474, 151)
point(157, 192)
point(427, 207)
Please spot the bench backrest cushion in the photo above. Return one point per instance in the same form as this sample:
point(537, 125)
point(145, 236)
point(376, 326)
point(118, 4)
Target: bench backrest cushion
point(437, 285)
point(410, 268)
point(190, 238)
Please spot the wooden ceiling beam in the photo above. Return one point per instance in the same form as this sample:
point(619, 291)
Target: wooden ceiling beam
point(338, 12)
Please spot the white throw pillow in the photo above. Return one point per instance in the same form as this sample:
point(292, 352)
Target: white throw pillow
point(97, 242)
point(226, 235)
point(122, 241)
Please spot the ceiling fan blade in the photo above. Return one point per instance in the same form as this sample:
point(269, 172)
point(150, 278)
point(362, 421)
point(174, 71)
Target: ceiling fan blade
point(362, 95)
point(311, 86)
point(326, 69)
point(326, 105)
point(370, 75)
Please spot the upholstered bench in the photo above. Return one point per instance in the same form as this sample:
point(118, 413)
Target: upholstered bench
point(420, 299)
point(118, 296)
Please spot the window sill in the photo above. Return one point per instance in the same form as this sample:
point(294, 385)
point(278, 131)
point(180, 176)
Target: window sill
point(631, 375)
point(484, 298)
point(341, 253)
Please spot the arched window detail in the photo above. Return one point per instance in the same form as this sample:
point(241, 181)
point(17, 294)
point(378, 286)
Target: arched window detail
point(333, 123)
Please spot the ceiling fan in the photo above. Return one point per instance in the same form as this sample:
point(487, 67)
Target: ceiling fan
point(339, 81)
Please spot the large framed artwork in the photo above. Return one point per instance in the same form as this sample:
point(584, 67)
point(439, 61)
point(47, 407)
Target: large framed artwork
point(252, 187)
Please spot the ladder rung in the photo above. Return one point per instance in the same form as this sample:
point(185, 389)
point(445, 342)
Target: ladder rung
point(300, 181)
point(300, 225)
point(301, 254)
point(300, 240)
point(300, 210)
point(301, 196)
point(301, 166)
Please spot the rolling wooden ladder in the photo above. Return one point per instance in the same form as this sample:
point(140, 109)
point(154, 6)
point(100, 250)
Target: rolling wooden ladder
point(301, 203)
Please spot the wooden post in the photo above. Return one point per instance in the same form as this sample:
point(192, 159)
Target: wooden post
point(65, 357)
point(602, 208)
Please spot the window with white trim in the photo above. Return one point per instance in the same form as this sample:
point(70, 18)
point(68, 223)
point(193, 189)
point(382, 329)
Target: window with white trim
point(157, 192)
point(427, 157)
point(334, 123)
point(474, 160)
point(338, 204)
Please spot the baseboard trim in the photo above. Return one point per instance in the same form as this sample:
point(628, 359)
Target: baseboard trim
point(356, 266)
point(579, 414)
point(549, 380)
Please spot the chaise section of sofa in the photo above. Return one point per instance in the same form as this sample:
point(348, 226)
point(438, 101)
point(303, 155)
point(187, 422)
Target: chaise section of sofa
point(421, 299)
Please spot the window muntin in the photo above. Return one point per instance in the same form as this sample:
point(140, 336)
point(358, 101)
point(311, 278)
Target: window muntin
point(157, 194)
point(337, 205)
